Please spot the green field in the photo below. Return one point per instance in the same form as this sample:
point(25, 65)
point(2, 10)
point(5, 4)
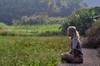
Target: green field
point(29, 29)
point(17, 49)
point(52, 27)
point(32, 51)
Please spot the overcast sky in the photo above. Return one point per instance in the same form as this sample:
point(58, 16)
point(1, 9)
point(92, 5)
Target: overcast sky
point(92, 3)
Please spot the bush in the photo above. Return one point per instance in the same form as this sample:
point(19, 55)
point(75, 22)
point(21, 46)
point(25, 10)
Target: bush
point(38, 20)
point(93, 36)
point(82, 19)
point(2, 25)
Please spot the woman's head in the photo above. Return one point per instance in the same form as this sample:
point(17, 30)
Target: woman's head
point(72, 31)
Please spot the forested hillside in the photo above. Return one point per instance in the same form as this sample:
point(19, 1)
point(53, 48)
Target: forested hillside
point(10, 9)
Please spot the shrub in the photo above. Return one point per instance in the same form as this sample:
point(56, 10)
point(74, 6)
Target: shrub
point(93, 36)
point(2, 25)
point(82, 19)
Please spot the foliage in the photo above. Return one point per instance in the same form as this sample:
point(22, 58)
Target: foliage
point(96, 9)
point(93, 36)
point(18, 8)
point(82, 19)
point(94, 30)
point(38, 20)
point(2, 25)
point(32, 51)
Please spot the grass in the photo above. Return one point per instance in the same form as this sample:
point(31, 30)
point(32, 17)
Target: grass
point(35, 28)
point(32, 51)
point(29, 30)
point(17, 50)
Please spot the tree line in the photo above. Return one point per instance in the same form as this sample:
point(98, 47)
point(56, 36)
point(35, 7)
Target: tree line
point(10, 9)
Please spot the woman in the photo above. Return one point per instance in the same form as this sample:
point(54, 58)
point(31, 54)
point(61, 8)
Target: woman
point(75, 55)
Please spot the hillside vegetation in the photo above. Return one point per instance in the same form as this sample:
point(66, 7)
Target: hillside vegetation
point(10, 9)
point(93, 36)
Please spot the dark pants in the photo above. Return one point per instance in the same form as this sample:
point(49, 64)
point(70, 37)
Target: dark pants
point(69, 58)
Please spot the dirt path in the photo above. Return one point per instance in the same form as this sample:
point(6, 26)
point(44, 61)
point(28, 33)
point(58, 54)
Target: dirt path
point(90, 59)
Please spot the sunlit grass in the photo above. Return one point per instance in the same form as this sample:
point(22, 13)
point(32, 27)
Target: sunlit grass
point(29, 30)
point(39, 28)
point(32, 51)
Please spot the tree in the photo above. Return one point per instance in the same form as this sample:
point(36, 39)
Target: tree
point(82, 19)
point(2, 25)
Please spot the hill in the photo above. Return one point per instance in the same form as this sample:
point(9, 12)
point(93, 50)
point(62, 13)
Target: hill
point(10, 9)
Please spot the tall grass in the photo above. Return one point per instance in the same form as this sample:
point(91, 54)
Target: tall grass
point(32, 51)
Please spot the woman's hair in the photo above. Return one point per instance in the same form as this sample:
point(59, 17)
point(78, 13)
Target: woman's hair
point(73, 31)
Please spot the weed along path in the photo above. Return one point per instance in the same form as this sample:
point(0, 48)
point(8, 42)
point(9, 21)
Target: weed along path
point(90, 59)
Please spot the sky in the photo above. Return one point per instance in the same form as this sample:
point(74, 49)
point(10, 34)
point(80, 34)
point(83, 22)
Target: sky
point(92, 3)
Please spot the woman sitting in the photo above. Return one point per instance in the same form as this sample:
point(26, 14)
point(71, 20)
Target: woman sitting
point(75, 55)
